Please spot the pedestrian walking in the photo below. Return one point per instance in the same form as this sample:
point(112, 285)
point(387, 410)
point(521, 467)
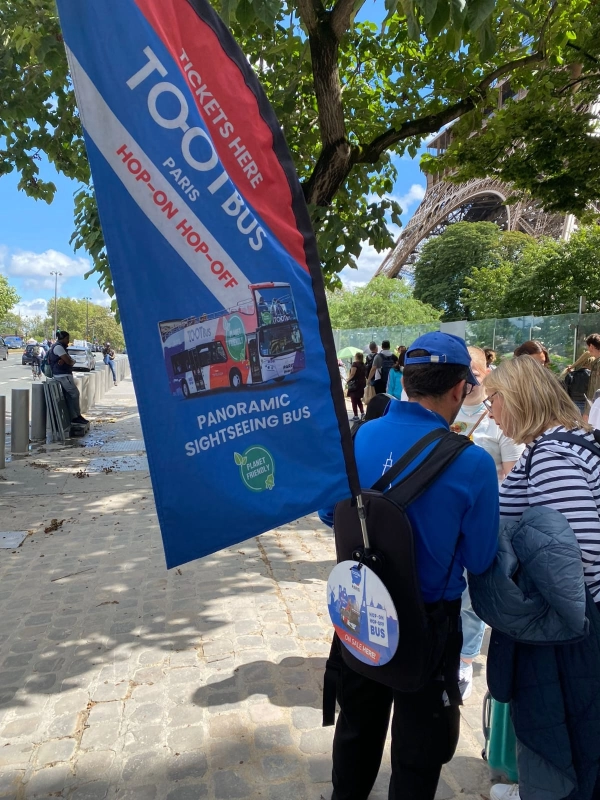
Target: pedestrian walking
point(356, 384)
point(380, 368)
point(455, 524)
point(540, 599)
point(370, 391)
point(394, 382)
point(61, 365)
point(109, 359)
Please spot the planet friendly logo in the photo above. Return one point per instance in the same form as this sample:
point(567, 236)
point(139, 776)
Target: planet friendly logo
point(235, 338)
point(257, 468)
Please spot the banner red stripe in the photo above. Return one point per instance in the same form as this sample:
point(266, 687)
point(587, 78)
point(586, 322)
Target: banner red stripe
point(250, 142)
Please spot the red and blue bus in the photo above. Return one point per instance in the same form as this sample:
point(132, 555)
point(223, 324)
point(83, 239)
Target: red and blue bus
point(258, 341)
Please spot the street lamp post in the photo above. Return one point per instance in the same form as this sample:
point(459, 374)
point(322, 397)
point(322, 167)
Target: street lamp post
point(87, 318)
point(56, 274)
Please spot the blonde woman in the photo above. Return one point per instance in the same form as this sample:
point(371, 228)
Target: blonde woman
point(559, 469)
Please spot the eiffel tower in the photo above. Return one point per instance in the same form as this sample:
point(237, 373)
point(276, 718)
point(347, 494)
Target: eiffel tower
point(477, 200)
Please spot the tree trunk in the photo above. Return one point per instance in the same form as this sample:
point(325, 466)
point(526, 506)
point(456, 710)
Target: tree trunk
point(333, 166)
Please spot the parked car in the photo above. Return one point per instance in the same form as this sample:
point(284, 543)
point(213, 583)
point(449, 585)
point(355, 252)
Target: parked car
point(28, 357)
point(3, 349)
point(83, 357)
point(13, 342)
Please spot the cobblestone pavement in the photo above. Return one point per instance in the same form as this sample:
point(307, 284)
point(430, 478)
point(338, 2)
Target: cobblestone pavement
point(119, 679)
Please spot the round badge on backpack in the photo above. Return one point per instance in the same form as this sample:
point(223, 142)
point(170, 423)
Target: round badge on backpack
point(363, 613)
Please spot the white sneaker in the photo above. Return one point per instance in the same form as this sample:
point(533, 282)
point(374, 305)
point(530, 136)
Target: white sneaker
point(505, 791)
point(354, 419)
point(465, 679)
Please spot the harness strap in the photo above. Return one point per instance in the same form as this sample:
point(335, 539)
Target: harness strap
point(428, 471)
point(572, 438)
point(333, 669)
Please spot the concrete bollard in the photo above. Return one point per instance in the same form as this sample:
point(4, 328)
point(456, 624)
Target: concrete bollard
point(84, 389)
point(19, 421)
point(92, 390)
point(2, 431)
point(38, 412)
point(102, 377)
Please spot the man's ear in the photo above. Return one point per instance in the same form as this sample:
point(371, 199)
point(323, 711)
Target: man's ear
point(456, 392)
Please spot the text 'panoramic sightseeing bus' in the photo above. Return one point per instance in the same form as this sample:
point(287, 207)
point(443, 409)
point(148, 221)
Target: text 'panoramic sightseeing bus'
point(256, 342)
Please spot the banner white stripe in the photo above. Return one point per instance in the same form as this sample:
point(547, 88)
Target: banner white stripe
point(213, 266)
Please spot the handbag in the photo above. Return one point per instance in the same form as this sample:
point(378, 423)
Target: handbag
point(352, 385)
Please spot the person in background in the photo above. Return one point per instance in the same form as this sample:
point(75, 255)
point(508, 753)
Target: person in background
point(473, 420)
point(576, 380)
point(109, 359)
point(534, 349)
point(400, 350)
point(490, 357)
point(373, 350)
point(357, 381)
point(382, 364)
point(529, 405)
point(394, 384)
point(593, 346)
point(61, 365)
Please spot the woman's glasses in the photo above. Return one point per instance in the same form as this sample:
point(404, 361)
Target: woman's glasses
point(488, 401)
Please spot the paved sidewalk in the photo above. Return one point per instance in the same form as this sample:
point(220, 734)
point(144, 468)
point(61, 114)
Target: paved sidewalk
point(119, 679)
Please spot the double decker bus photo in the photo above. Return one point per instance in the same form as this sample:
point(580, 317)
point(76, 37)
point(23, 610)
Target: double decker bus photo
point(258, 341)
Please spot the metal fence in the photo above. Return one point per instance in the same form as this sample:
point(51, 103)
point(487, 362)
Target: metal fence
point(563, 334)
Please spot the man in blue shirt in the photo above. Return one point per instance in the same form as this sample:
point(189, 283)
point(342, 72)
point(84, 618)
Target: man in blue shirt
point(463, 503)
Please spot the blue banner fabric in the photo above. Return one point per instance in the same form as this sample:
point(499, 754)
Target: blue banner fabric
point(216, 272)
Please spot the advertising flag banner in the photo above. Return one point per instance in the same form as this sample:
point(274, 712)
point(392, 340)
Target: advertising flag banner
point(216, 272)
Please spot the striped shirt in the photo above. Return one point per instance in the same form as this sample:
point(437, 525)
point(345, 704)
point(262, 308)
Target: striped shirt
point(565, 477)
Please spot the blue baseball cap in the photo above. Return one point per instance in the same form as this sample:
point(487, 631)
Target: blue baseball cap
point(443, 348)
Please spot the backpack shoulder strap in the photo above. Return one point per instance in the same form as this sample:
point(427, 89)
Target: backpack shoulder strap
point(572, 438)
point(410, 455)
point(429, 470)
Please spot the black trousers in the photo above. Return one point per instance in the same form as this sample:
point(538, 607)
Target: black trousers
point(424, 736)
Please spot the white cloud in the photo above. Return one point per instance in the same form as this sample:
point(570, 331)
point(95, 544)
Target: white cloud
point(414, 195)
point(34, 268)
point(29, 308)
point(368, 264)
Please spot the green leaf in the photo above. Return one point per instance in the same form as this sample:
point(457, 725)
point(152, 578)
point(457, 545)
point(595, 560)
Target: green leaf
point(245, 13)
point(228, 8)
point(267, 11)
point(487, 41)
point(239, 460)
point(414, 29)
point(478, 12)
point(428, 8)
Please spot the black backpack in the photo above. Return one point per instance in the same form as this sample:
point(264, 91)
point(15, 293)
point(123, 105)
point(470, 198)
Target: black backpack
point(386, 365)
point(576, 384)
point(425, 629)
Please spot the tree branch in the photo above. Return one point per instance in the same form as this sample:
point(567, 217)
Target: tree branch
point(340, 17)
point(310, 12)
point(546, 25)
point(370, 153)
point(580, 79)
